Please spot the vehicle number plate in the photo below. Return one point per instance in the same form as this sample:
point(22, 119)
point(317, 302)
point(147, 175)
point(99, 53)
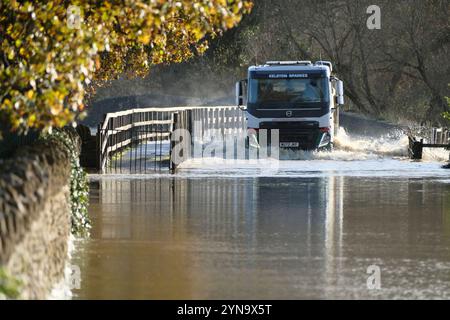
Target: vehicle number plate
point(289, 144)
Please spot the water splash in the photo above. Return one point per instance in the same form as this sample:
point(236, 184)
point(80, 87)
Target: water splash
point(394, 144)
point(350, 148)
point(437, 154)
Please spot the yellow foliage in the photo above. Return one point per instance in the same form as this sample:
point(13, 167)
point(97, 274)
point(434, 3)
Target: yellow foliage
point(54, 51)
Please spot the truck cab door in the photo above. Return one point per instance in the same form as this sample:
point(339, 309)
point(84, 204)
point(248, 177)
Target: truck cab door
point(338, 86)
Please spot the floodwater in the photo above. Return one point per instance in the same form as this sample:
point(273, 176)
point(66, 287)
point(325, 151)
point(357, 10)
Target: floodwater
point(306, 228)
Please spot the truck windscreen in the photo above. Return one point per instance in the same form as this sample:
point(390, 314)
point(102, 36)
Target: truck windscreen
point(274, 93)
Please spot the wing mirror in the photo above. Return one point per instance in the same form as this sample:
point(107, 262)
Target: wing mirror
point(241, 87)
point(340, 92)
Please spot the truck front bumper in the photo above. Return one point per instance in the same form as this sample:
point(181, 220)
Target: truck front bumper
point(295, 135)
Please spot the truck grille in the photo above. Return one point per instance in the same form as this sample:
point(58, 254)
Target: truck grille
point(305, 133)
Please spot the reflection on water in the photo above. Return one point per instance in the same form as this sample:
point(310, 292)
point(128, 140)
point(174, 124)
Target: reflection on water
point(273, 237)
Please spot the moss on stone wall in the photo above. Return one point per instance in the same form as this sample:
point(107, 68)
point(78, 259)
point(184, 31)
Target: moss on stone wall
point(79, 186)
point(9, 286)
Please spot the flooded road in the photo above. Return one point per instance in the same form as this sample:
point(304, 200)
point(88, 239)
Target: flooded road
point(294, 234)
point(313, 226)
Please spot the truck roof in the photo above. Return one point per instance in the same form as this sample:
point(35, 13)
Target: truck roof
point(287, 66)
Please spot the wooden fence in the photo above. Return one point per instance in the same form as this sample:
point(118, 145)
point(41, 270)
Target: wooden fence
point(125, 129)
point(438, 138)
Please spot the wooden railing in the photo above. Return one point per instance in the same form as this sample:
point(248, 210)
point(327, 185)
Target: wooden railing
point(123, 129)
point(438, 138)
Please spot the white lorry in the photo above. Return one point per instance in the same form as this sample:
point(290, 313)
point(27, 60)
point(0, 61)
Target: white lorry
point(298, 98)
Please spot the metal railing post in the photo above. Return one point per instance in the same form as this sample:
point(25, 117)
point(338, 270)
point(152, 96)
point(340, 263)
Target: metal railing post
point(172, 165)
point(99, 147)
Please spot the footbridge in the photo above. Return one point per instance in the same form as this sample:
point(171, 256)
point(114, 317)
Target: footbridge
point(143, 140)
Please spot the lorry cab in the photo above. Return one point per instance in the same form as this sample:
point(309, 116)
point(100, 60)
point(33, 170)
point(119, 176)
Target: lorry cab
point(299, 99)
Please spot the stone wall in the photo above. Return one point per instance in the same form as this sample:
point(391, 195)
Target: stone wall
point(35, 216)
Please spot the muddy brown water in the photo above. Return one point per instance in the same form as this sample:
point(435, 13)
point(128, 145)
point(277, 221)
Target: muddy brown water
point(275, 237)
